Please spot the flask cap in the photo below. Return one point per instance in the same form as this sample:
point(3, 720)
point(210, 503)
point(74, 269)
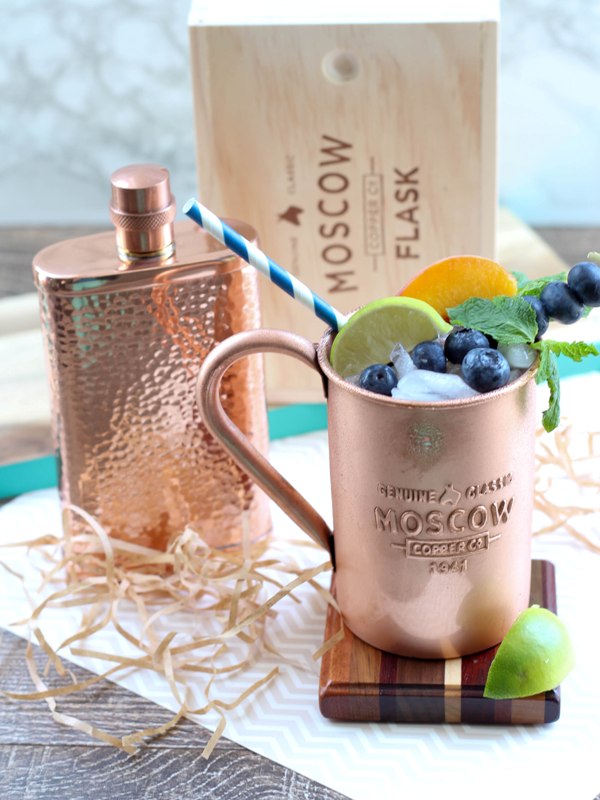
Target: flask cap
point(142, 209)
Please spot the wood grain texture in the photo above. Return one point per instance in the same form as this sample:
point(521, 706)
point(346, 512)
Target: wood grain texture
point(357, 202)
point(40, 759)
point(359, 682)
point(45, 772)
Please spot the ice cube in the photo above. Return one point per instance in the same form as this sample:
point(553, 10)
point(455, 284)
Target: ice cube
point(514, 374)
point(519, 356)
point(403, 363)
point(426, 386)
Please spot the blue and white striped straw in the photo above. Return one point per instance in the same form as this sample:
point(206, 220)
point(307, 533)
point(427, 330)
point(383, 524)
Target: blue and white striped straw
point(252, 255)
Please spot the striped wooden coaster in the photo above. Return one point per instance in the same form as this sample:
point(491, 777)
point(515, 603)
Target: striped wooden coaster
point(359, 682)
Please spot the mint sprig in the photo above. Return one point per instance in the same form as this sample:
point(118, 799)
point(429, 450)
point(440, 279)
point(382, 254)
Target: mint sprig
point(536, 286)
point(576, 351)
point(510, 320)
point(548, 373)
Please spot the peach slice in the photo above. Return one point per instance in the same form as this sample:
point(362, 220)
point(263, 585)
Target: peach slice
point(453, 280)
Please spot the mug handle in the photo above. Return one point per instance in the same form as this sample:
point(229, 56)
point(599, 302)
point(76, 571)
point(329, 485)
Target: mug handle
point(233, 440)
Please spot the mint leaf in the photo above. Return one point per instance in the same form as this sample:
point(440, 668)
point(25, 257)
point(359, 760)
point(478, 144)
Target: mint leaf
point(510, 320)
point(520, 278)
point(547, 372)
point(536, 286)
point(576, 351)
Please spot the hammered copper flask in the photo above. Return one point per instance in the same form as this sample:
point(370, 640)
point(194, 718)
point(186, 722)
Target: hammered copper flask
point(127, 324)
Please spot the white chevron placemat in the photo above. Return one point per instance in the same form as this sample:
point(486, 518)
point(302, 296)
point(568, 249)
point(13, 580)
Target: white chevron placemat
point(387, 760)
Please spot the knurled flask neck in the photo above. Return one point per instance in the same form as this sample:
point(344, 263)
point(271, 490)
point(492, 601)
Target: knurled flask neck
point(142, 209)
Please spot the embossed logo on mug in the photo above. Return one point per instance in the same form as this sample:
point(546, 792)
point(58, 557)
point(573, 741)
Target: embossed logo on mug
point(455, 529)
point(471, 544)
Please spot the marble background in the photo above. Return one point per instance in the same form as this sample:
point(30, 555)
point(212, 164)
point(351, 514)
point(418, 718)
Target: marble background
point(89, 85)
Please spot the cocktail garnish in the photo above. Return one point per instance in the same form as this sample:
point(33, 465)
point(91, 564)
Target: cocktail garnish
point(511, 320)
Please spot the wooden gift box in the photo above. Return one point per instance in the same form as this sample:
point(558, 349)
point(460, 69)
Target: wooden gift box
point(362, 148)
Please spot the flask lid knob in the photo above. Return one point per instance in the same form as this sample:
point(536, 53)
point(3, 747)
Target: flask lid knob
point(142, 209)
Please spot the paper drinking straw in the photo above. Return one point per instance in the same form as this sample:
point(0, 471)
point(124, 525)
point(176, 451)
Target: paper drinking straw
point(252, 255)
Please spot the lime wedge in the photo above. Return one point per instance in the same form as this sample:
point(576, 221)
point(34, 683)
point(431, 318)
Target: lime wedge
point(535, 656)
point(370, 334)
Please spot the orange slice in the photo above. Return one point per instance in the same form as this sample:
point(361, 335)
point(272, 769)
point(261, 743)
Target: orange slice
point(453, 280)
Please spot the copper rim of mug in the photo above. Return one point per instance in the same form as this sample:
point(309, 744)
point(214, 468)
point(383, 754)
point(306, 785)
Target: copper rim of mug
point(324, 346)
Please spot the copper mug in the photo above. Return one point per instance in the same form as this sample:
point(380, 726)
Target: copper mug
point(432, 502)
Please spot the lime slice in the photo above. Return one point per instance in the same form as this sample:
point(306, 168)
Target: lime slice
point(535, 656)
point(370, 334)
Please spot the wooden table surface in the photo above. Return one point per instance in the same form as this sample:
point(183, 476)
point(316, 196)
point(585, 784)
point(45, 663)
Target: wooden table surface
point(41, 759)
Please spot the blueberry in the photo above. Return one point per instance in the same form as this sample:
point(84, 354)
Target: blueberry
point(584, 282)
point(378, 378)
point(540, 313)
point(561, 303)
point(460, 341)
point(429, 355)
point(484, 369)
